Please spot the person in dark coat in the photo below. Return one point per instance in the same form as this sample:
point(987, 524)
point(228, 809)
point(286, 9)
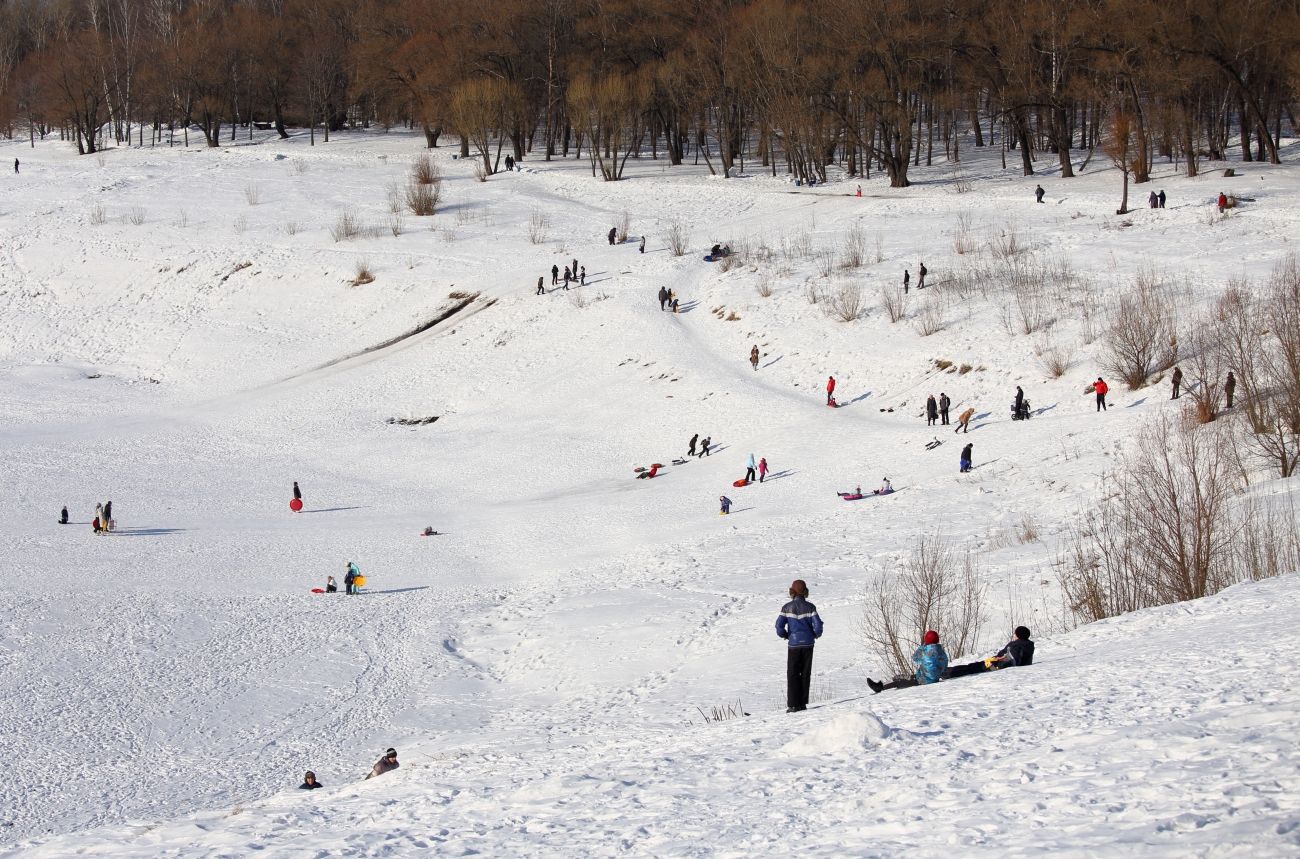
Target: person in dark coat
point(944, 403)
point(704, 445)
point(1017, 653)
point(753, 357)
point(108, 513)
point(641, 248)
point(555, 275)
point(349, 579)
point(907, 279)
point(575, 268)
point(309, 781)
point(63, 516)
point(966, 456)
point(582, 277)
point(931, 411)
point(1161, 197)
point(920, 276)
point(541, 290)
point(690, 451)
point(1152, 200)
point(613, 234)
point(663, 297)
point(386, 764)
point(1038, 193)
point(15, 165)
point(1177, 381)
point(297, 493)
point(1018, 409)
point(1229, 386)
point(568, 276)
point(799, 624)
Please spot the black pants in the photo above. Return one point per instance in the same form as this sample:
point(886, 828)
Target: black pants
point(943, 417)
point(749, 474)
point(1175, 392)
point(691, 450)
point(963, 670)
point(1229, 399)
point(798, 677)
point(930, 419)
point(1101, 402)
point(901, 683)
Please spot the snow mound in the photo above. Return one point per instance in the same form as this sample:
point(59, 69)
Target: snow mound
point(841, 735)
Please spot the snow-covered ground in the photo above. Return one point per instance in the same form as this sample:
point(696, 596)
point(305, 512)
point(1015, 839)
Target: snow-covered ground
point(539, 665)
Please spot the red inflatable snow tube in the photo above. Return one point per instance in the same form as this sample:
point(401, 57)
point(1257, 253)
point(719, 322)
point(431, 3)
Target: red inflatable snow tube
point(296, 505)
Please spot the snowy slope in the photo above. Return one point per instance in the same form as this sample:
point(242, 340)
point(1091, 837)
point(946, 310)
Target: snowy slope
point(540, 665)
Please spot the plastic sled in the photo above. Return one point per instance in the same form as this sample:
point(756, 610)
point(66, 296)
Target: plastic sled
point(852, 496)
point(741, 482)
point(318, 590)
point(680, 461)
point(708, 257)
point(296, 505)
point(359, 582)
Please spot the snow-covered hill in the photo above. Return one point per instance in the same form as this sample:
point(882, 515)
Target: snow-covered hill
point(540, 664)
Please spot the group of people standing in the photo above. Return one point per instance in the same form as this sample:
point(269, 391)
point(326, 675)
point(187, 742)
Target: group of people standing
point(571, 274)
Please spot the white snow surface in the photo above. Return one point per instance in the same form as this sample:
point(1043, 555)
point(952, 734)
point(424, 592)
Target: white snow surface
point(543, 664)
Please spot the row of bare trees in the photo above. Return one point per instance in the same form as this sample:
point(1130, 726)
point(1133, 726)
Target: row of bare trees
point(798, 86)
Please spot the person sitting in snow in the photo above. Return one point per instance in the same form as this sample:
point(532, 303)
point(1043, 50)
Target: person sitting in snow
point(1018, 651)
point(930, 661)
point(885, 488)
point(387, 763)
point(331, 586)
point(309, 781)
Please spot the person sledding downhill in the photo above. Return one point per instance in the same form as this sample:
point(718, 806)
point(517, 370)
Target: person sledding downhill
point(930, 661)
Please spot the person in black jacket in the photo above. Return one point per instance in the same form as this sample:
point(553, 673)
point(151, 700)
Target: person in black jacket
point(966, 454)
point(1177, 381)
point(1229, 386)
point(108, 511)
point(690, 451)
point(541, 290)
point(663, 296)
point(309, 781)
point(613, 234)
point(944, 403)
point(799, 624)
point(1018, 652)
point(931, 411)
point(297, 493)
point(555, 275)
point(1017, 410)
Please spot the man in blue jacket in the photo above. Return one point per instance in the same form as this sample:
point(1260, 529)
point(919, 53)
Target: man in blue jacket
point(800, 626)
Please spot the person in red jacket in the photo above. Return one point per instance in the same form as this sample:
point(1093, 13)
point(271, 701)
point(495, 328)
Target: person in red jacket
point(1223, 202)
point(830, 390)
point(1100, 388)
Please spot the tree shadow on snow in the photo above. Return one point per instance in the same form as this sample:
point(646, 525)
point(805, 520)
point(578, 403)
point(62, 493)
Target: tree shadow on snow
point(336, 509)
point(981, 416)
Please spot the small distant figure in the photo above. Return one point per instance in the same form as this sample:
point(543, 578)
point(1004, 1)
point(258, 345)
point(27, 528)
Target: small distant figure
point(963, 421)
point(704, 445)
point(674, 301)
point(331, 586)
point(920, 276)
point(1177, 381)
point(907, 279)
point(309, 781)
point(350, 578)
point(830, 391)
point(663, 297)
point(1038, 193)
point(753, 357)
point(574, 269)
point(726, 505)
point(859, 191)
point(944, 403)
point(555, 275)
point(1223, 202)
point(1161, 197)
point(1229, 387)
point(541, 290)
point(94, 525)
point(641, 247)
point(15, 165)
point(428, 532)
point(297, 493)
point(100, 517)
point(751, 469)
point(568, 276)
point(613, 234)
point(1153, 202)
point(885, 488)
point(108, 514)
point(386, 764)
point(582, 277)
point(931, 411)
point(63, 516)
point(762, 469)
point(690, 451)
point(1100, 388)
point(966, 456)
point(510, 163)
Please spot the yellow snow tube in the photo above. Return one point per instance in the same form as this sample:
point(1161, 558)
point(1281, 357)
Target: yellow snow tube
point(359, 581)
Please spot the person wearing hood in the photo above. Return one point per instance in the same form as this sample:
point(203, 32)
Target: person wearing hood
point(386, 764)
point(929, 662)
point(309, 781)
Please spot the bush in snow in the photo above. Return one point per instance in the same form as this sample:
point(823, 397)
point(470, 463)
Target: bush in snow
point(846, 302)
point(675, 238)
point(1140, 339)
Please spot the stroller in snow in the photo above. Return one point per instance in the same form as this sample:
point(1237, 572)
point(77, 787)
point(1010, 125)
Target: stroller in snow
point(1023, 413)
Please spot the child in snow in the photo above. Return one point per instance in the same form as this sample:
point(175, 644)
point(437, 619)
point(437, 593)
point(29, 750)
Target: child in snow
point(582, 277)
point(349, 579)
point(966, 458)
point(799, 624)
point(387, 763)
point(309, 781)
point(762, 469)
point(929, 660)
point(1101, 389)
point(885, 488)
point(642, 246)
point(613, 234)
point(690, 451)
point(963, 420)
point(753, 357)
point(297, 493)
point(1038, 193)
point(830, 391)
point(331, 586)
point(726, 505)
point(95, 525)
point(541, 290)
point(704, 446)
point(1017, 652)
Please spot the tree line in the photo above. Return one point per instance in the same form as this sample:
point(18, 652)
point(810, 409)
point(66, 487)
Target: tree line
point(794, 86)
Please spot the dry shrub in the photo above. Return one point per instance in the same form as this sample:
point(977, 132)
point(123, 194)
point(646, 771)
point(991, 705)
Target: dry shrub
point(929, 320)
point(135, 215)
point(292, 228)
point(936, 587)
point(252, 193)
point(395, 223)
point(675, 238)
point(1007, 243)
point(97, 215)
point(1140, 339)
point(480, 171)
point(825, 262)
point(425, 172)
point(964, 369)
point(733, 317)
point(348, 226)
point(539, 226)
point(624, 225)
point(765, 288)
point(812, 292)
point(846, 302)
point(364, 274)
point(422, 200)
point(1055, 357)
point(962, 243)
point(893, 301)
point(855, 248)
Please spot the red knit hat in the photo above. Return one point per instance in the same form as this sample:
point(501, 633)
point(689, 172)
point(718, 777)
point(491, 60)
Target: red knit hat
point(931, 637)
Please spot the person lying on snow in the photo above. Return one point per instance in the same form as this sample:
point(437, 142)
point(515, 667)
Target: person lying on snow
point(387, 763)
point(930, 661)
point(1017, 652)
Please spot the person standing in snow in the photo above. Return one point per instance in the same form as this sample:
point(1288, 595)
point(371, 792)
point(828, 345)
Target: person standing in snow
point(568, 276)
point(1038, 193)
point(1223, 202)
point(690, 451)
point(799, 624)
point(15, 165)
point(859, 192)
point(1161, 197)
point(641, 247)
point(108, 515)
point(907, 279)
point(99, 516)
point(920, 276)
point(1100, 388)
point(944, 403)
point(1152, 200)
point(1177, 381)
point(929, 662)
point(725, 503)
point(830, 391)
point(1019, 405)
point(309, 781)
point(963, 421)
point(750, 469)
point(575, 268)
point(966, 457)
point(1229, 387)
point(762, 469)
point(297, 493)
point(1017, 653)
point(350, 578)
point(541, 290)
point(753, 357)
point(555, 275)
point(663, 297)
point(582, 277)
point(704, 445)
point(386, 764)
point(931, 411)
point(63, 516)
point(613, 234)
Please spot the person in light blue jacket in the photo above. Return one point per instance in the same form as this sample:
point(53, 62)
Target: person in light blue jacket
point(750, 469)
point(929, 661)
point(799, 624)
